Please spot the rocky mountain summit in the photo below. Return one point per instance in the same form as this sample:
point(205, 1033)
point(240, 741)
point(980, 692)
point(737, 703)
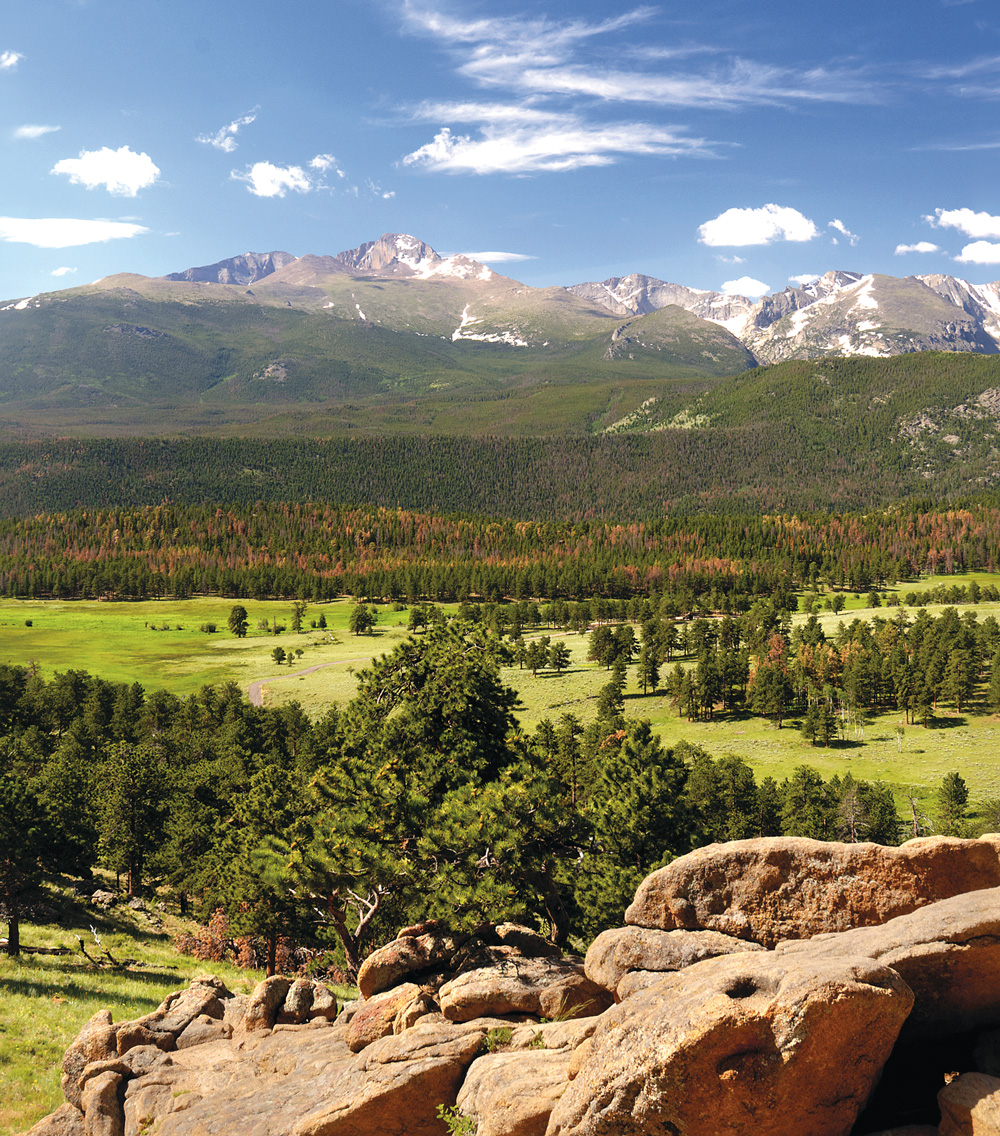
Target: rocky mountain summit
point(840, 313)
point(780, 987)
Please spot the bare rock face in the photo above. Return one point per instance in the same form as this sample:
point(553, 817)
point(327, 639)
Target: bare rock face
point(97, 1041)
point(948, 954)
point(375, 1018)
point(404, 956)
point(265, 1003)
point(777, 888)
point(549, 988)
point(626, 951)
point(513, 1093)
point(736, 1045)
point(970, 1106)
point(395, 1086)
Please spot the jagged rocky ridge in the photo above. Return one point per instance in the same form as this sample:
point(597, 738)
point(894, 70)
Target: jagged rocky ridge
point(851, 989)
point(841, 313)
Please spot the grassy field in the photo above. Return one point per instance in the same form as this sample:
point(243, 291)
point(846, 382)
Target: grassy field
point(45, 999)
point(158, 642)
point(127, 642)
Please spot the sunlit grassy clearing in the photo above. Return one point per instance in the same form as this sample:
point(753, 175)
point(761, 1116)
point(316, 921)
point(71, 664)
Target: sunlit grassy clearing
point(125, 642)
point(44, 1000)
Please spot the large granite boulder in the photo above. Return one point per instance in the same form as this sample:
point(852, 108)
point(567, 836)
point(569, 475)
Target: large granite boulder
point(970, 1106)
point(548, 988)
point(738, 1045)
point(777, 888)
point(513, 1093)
point(624, 951)
point(948, 954)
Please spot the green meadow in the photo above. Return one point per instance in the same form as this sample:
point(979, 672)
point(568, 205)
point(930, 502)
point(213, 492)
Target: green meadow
point(160, 645)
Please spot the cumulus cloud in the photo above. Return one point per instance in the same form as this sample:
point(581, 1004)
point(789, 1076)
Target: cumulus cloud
point(920, 246)
point(121, 172)
point(757, 227)
point(224, 138)
point(64, 232)
point(746, 286)
point(30, 131)
point(62, 271)
point(967, 221)
point(804, 279)
point(326, 162)
point(852, 238)
point(264, 179)
point(9, 60)
point(980, 252)
point(730, 259)
point(560, 142)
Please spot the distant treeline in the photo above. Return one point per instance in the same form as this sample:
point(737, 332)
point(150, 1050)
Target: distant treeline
point(316, 551)
point(745, 469)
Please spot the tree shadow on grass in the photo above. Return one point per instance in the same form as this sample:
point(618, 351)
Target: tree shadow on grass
point(949, 723)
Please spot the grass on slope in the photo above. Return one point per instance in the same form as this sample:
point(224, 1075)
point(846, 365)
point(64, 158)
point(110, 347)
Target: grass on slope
point(45, 999)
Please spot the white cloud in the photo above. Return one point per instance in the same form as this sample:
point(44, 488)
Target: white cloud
point(562, 142)
point(224, 138)
point(730, 259)
point(497, 257)
point(264, 179)
point(64, 232)
point(746, 286)
point(852, 238)
point(9, 60)
point(920, 246)
point(121, 172)
point(388, 195)
point(980, 252)
point(325, 163)
point(757, 227)
point(804, 279)
point(966, 221)
point(62, 271)
point(546, 56)
point(35, 131)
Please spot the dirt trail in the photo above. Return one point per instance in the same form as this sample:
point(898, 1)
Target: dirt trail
point(256, 689)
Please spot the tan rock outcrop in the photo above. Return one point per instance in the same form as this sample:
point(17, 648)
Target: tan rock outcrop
point(265, 1003)
point(970, 1106)
point(100, 1104)
point(737, 1045)
point(623, 950)
point(409, 954)
point(513, 1093)
point(97, 1041)
point(773, 889)
point(549, 988)
point(375, 1018)
point(395, 1086)
point(948, 954)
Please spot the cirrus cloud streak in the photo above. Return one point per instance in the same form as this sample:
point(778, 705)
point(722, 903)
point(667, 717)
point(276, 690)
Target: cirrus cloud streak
point(547, 143)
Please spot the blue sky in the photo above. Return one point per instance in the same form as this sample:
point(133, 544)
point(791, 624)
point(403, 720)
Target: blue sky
point(722, 145)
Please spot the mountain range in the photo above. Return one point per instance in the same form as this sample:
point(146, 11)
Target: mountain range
point(368, 334)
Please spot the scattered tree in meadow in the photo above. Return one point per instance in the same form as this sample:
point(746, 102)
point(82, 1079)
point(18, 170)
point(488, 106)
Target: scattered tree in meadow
point(238, 621)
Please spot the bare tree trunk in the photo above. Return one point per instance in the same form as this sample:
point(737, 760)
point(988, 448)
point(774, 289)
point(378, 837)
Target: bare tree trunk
point(13, 935)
